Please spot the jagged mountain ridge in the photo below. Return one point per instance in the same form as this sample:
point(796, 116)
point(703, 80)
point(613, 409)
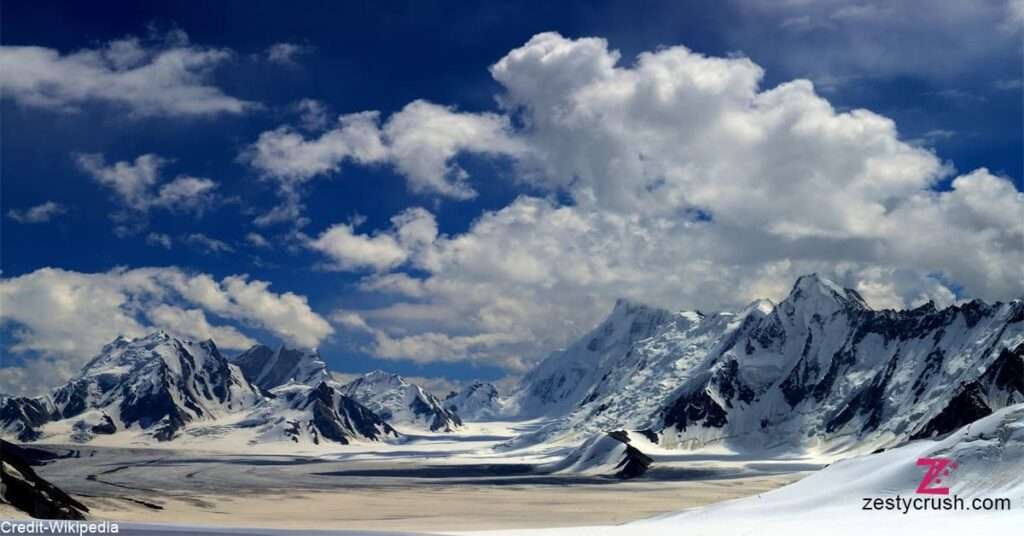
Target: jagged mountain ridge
point(156, 383)
point(301, 413)
point(390, 396)
point(401, 403)
point(166, 388)
point(821, 370)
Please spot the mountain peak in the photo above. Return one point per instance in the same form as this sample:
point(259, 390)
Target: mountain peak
point(400, 402)
point(813, 288)
point(123, 352)
point(158, 335)
point(629, 307)
point(158, 383)
point(380, 376)
point(762, 307)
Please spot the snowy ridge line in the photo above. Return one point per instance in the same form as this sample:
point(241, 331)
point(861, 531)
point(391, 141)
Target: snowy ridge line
point(819, 372)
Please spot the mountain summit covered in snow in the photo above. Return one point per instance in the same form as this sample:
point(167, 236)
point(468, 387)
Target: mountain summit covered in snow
point(161, 387)
point(157, 383)
point(819, 371)
point(476, 401)
point(400, 403)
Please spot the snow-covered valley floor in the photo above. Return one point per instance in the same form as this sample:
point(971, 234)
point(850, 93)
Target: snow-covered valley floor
point(454, 482)
point(459, 483)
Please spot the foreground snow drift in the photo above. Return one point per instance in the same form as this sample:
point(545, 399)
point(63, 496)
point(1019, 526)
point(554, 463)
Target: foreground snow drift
point(990, 464)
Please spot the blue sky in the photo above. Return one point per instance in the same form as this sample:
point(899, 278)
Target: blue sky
point(483, 295)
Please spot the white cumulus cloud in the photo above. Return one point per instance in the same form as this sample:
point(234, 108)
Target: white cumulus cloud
point(134, 185)
point(413, 230)
point(167, 76)
point(690, 186)
point(420, 141)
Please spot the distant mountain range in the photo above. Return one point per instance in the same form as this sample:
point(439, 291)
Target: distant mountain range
point(160, 386)
point(818, 371)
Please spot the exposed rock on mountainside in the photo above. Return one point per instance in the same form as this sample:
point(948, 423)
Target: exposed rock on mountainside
point(607, 454)
point(301, 413)
point(821, 370)
point(269, 368)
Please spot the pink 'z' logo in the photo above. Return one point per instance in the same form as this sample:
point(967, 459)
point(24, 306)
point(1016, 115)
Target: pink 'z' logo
point(938, 468)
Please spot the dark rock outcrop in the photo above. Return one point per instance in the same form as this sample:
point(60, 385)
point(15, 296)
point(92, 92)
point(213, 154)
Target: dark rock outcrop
point(30, 493)
point(634, 463)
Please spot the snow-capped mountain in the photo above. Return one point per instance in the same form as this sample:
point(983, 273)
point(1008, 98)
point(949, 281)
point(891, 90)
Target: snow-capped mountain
point(268, 368)
point(820, 371)
point(476, 401)
point(558, 384)
point(156, 383)
point(402, 404)
point(303, 413)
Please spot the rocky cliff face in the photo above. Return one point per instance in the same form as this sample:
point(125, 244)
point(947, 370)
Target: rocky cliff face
point(22, 488)
point(268, 368)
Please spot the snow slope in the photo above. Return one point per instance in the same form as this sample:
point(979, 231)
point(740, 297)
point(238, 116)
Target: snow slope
point(557, 384)
point(609, 454)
